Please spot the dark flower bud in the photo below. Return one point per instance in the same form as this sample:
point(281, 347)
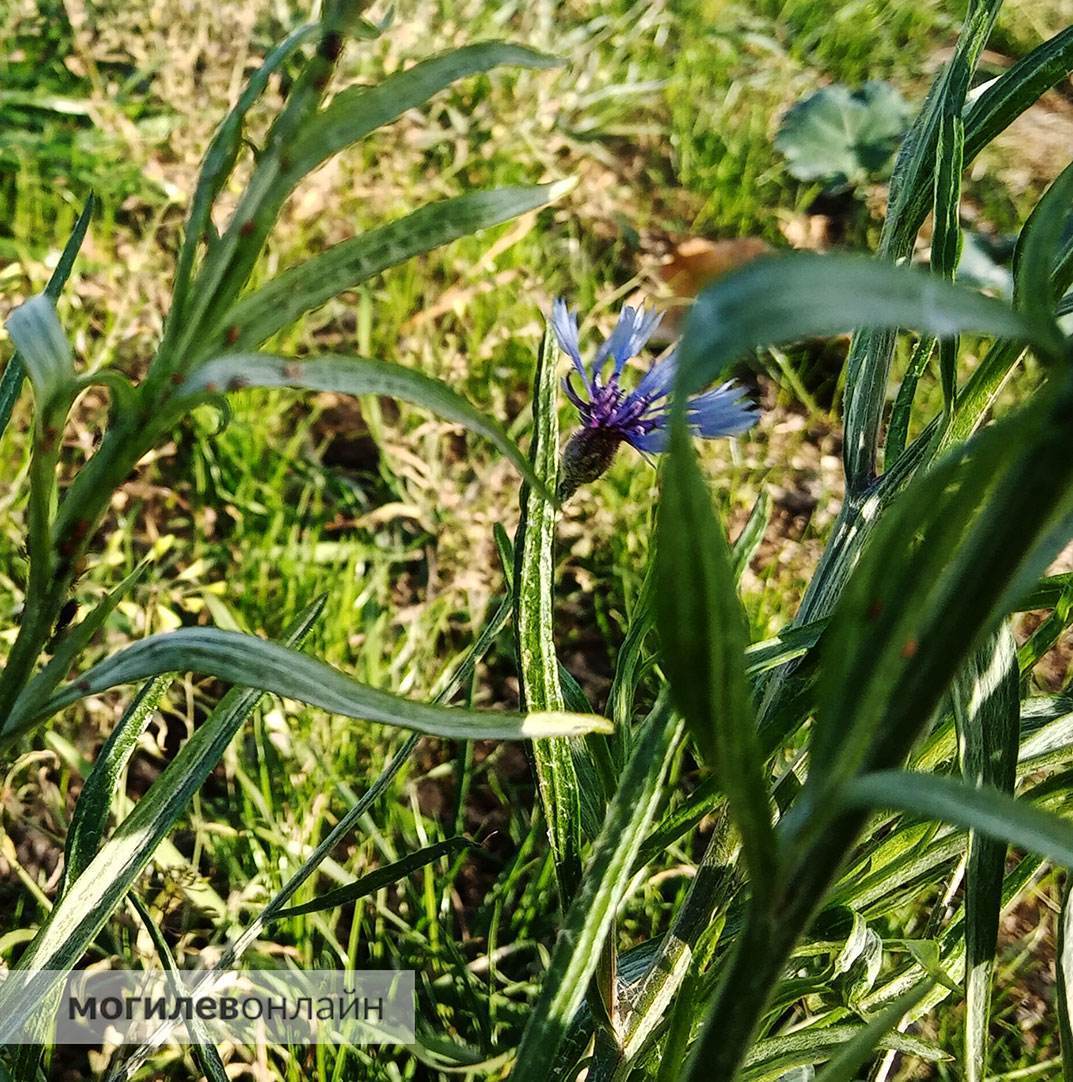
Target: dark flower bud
point(587, 455)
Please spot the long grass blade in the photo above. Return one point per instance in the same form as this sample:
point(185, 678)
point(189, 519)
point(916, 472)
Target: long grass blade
point(1017, 89)
point(845, 1065)
point(946, 238)
point(90, 817)
point(986, 702)
point(208, 1058)
point(901, 411)
point(378, 879)
point(811, 1046)
point(356, 112)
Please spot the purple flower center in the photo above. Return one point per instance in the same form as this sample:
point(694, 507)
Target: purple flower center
point(613, 409)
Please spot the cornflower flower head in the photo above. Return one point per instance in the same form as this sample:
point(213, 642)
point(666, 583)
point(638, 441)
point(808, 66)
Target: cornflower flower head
point(611, 415)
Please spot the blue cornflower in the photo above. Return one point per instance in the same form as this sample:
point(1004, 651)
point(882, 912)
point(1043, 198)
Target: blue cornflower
point(611, 415)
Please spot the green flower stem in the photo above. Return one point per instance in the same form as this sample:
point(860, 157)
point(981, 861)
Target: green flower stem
point(39, 612)
point(56, 547)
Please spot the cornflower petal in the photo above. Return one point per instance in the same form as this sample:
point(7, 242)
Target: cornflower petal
point(657, 381)
point(617, 342)
point(564, 324)
point(722, 412)
point(653, 443)
point(644, 325)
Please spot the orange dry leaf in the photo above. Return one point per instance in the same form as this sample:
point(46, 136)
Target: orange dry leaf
point(694, 263)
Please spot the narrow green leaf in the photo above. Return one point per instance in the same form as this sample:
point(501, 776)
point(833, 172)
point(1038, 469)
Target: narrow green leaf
point(1047, 731)
point(220, 158)
point(629, 664)
point(1047, 593)
point(1037, 247)
point(534, 619)
point(702, 801)
point(596, 770)
point(927, 953)
point(790, 644)
point(270, 666)
point(348, 375)
point(90, 816)
point(853, 1055)
point(73, 645)
point(205, 1052)
point(281, 300)
point(378, 879)
point(778, 1054)
point(354, 113)
point(982, 808)
point(89, 901)
point(917, 159)
point(11, 383)
point(1048, 632)
point(587, 922)
point(945, 258)
point(901, 411)
point(1017, 89)
point(871, 351)
point(14, 372)
point(986, 700)
point(946, 237)
point(783, 299)
point(65, 264)
point(752, 533)
point(703, 636)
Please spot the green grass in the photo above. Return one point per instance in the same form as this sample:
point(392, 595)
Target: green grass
point(666, 113)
